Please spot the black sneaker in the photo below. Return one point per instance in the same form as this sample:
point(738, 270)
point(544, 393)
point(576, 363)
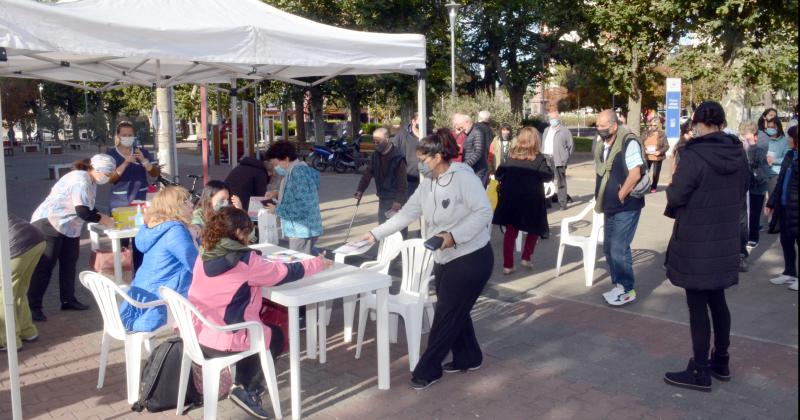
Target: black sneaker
point(449, 367)
point(38, 315)
point(696, 377)
point(420, 384)
point(73, 305)
point(248, 402)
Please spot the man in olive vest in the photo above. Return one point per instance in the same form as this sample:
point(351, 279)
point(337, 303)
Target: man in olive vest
point(619, 166)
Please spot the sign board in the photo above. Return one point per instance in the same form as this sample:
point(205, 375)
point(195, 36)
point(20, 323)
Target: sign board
point(673, 107)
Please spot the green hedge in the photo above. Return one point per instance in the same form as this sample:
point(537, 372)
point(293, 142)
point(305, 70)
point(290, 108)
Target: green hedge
point(583, 144)
point(279, 128)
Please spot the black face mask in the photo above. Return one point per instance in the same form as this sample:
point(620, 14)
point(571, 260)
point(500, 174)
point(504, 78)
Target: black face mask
point(604, 134)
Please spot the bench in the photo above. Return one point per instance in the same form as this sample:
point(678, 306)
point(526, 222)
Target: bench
point(8, 151)
point(28, 148)
point(53, 149)
point(57, 170)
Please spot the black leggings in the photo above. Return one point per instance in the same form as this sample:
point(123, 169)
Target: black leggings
point(788, 243)
point(756, 207)
point(458, 285)
point(700, 301)
point(248, 370)
point(58, 249)
point(655, 167)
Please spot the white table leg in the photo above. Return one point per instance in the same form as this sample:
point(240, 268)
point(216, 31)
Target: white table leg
point(383, 337)
point(349, 308)
point(294, 359)
point(311, 331)
point(323, 332)
point(116, 248)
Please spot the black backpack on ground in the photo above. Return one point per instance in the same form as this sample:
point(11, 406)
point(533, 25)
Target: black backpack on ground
point(158, 389)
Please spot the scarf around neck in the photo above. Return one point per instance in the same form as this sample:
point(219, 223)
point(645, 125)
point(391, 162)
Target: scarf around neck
point(224, 247)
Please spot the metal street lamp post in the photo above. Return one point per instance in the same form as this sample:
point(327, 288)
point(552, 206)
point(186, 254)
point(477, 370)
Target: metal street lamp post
point(41, 108)
point(452, 12)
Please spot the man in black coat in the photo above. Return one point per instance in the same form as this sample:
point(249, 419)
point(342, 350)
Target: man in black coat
point(248, 179)
point(707, 191)
point(476, 147)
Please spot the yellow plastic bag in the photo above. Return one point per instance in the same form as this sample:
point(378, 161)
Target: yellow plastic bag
point(491, 191)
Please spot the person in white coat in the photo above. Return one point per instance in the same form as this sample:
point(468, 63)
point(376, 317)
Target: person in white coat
point(454, 204)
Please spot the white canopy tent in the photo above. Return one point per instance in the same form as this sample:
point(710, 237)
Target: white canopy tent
point(162, 43)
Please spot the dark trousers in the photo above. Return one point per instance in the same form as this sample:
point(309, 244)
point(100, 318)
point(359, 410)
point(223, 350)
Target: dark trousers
point(248, 370)
point(774, 224)
point(560, 173)
point(654, 166)
point(744, 232)
point(138, 257)
point(756, 207)
point(700, 302)
point(458, 285)
point(788, 243)
point(58, 249)
point(413, 184)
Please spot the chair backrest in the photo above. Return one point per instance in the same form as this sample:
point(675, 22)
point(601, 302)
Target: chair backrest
point(105, 292)
point(388, 247)
point(598, 228)
point(184, 313)
point(549, 189)
point(417, 265)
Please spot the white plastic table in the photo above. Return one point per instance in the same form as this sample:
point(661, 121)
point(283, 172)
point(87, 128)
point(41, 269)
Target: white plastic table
point(336, 282)
point(116, 235)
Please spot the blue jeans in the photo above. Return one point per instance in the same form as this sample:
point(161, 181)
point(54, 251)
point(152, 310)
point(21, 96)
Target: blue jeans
point(619, 231)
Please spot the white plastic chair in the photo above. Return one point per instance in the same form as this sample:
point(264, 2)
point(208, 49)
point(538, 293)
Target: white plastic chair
point(185, 313)
point(409, 303)
point(106, 294)
point(587, 244)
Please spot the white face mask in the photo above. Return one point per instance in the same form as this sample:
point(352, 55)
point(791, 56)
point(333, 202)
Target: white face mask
point(127, 141)
point(102, 179)
point(219, 205)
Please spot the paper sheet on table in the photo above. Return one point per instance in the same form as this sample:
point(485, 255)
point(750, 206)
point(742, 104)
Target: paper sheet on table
point(287, 256)
point(357, 247)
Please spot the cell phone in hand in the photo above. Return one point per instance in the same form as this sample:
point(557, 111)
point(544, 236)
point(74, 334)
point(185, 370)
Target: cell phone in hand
point(270, 201)
point(434, 243)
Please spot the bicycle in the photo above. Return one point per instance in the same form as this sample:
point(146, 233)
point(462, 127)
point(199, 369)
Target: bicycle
point(193, 195)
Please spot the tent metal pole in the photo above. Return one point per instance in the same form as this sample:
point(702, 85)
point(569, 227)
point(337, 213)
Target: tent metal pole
point(8, 297)
point(204, 130)
point(233, 147)
point(422, 111)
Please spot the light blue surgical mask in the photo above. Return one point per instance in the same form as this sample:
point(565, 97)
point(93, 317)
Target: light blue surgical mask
point(280, 170)
point(554, 122)
point(424, 169)
point(771, 131)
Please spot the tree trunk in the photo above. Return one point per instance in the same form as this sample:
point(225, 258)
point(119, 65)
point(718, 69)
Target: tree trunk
point(355, 114)
point(299, 119)
point(73, 121)
point(634, 111)
point(733, 102)
point(316, 112)
point(516, 96)
point(768, 103)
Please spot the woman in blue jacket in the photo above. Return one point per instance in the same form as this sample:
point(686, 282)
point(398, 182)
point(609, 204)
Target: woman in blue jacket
point(298, 197)
point(169, 255)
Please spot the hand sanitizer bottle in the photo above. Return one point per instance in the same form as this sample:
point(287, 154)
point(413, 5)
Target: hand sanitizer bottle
point(138, 220)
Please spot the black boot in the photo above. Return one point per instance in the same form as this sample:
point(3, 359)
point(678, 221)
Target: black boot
point(719, 366)
point(696, 377)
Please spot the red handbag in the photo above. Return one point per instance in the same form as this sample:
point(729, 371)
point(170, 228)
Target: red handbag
point(276, 315)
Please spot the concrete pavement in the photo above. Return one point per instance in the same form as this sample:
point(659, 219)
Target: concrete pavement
point(553, 348)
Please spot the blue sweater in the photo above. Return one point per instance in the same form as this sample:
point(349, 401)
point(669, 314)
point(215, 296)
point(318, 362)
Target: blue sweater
point(169, 256)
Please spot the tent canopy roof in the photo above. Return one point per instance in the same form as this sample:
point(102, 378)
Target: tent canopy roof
point(170, 42)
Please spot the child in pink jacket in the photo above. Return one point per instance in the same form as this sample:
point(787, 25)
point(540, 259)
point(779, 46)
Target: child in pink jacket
point(226, 289)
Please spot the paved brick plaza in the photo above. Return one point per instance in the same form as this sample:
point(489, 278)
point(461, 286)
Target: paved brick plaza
point(552, 348)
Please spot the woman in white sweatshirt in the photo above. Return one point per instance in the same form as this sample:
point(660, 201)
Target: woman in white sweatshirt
point(454, 205)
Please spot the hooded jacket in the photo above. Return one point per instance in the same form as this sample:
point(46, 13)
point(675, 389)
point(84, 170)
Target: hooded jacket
point(456, 202)
point(707, 192)
point(226, 289)
point(249, 179)
point(169, 255)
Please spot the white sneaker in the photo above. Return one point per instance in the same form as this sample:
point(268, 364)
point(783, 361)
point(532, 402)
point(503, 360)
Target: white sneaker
point(624, 298)
point(782, 279)
point(612, 294)
point(793, 285)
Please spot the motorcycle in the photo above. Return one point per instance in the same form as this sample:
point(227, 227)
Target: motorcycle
point(322, 156)
point(348, 156)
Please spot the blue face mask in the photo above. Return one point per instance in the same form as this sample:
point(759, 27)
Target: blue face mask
point(280, 170)
point(554, 122)
point(771, 131)
point(424, 169)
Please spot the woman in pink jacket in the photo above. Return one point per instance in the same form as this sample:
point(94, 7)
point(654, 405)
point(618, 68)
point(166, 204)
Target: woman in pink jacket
point(226, 289)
